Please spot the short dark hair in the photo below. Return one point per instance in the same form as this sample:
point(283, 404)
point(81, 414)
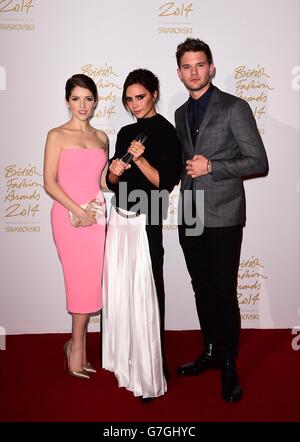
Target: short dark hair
point(144, 77)
point(81, 80)
point(193, 45)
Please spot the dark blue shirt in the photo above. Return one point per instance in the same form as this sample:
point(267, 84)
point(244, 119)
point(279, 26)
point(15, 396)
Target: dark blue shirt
point(196, 110)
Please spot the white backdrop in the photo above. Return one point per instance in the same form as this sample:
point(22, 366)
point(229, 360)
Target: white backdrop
point(256, 52)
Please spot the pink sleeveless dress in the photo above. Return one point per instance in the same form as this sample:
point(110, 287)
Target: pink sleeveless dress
point(80, 249)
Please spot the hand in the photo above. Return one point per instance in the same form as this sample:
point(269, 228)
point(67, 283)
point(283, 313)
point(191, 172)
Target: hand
point(86, 218)
point(197, 166)
point(117, 167)
point(136, 149)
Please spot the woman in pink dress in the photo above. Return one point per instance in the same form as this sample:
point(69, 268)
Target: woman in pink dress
point(74, 166)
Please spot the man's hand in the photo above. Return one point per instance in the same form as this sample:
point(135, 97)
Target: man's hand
point(197, 166)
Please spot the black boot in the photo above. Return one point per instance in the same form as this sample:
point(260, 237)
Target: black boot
point(206, 361)
point(231, 388)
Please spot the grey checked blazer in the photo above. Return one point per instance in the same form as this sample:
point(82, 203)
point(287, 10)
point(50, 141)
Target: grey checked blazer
point(228, 136)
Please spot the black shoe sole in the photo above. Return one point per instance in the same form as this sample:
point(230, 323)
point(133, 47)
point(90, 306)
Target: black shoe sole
point(233, 397)
point(147, 400)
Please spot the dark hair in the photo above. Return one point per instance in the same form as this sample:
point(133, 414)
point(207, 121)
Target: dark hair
point(81, 80)
point(145, 78)
point(193, 45)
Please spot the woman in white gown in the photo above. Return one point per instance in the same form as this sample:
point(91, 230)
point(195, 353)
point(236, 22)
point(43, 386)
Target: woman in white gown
point(133, 286)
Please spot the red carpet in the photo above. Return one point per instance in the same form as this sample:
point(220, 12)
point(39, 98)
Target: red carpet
point(34, 387)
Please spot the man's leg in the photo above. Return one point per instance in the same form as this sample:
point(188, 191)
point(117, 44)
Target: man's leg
point(223, 247)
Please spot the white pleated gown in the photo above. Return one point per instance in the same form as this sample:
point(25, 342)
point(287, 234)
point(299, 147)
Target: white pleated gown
point(131, 346)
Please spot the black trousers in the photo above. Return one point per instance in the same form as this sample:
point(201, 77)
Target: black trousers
point(212, 260)
point(155, 241)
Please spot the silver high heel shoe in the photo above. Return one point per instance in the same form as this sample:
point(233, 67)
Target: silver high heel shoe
point(83, 374)
point(89, 368)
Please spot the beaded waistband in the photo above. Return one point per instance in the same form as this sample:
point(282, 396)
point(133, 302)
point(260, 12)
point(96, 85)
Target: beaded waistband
point(125, 215)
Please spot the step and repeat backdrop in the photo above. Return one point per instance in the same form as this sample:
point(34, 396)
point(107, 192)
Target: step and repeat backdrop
point(255, 45)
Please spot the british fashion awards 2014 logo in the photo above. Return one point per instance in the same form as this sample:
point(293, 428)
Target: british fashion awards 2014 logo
point(175, 18)
point(20, 12)
point(253, 85)
point(22, 197)
point(109, 89)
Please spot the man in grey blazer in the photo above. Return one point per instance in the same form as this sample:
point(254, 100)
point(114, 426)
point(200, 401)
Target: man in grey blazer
point(221, 146)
